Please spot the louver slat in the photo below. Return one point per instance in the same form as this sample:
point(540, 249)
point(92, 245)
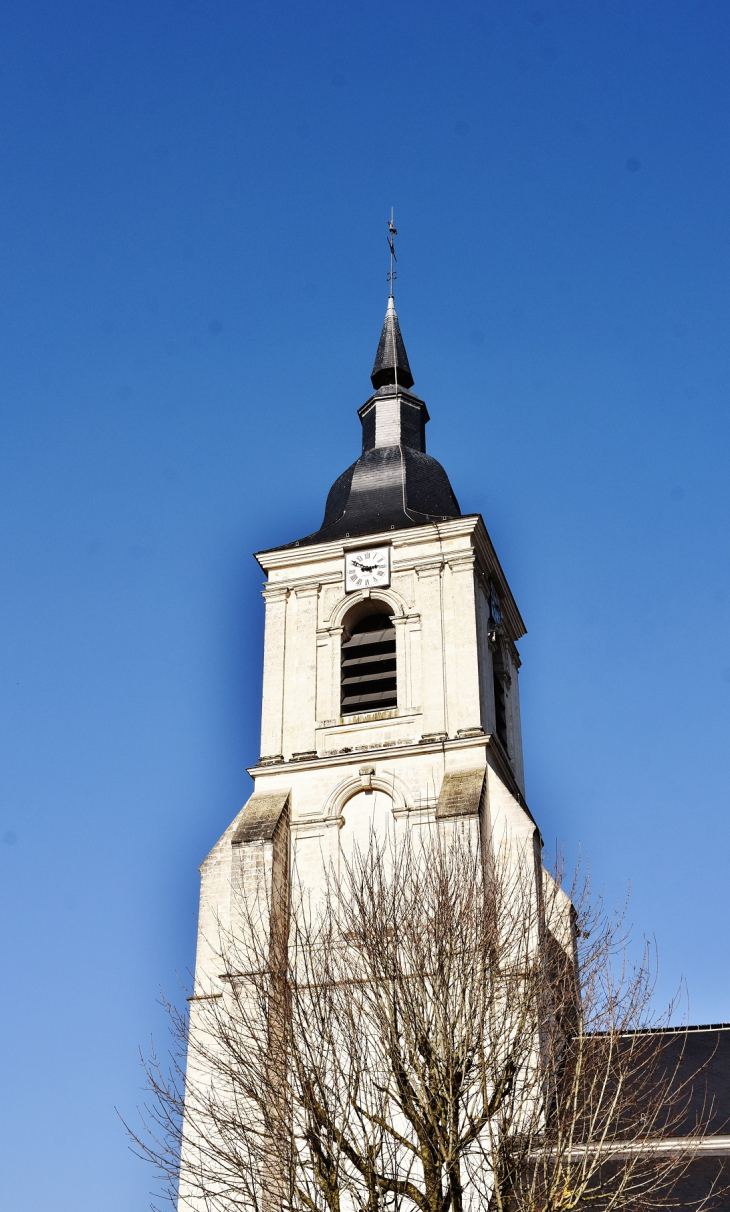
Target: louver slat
point(368, 667)
point(374, 659)
point(370, 637)
point(389, 674)
point(369, 702)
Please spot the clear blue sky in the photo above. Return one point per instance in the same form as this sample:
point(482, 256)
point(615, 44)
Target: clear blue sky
point(192, 209)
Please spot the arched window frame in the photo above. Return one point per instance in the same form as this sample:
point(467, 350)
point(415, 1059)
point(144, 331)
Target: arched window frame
point(368, 666)
point(331, 630)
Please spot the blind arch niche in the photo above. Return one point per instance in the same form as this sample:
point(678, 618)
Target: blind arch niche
point(367, 820)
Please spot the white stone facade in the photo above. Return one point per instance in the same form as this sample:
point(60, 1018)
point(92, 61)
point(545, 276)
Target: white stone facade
point(444, 722)
point(435, 757)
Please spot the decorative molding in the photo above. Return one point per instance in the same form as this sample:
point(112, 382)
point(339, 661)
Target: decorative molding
point(469, 525)
point(306, 589)
point(273, 593)
point(278, 557)
point(495, 755)
point(326, 633)
point(346, 602)
point(313, 827)
point(390, 784)
point(407, 618)
point(462, 562)
point(417, 814)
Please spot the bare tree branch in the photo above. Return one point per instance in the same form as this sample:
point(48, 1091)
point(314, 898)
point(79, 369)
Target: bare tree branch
point(422, 1036)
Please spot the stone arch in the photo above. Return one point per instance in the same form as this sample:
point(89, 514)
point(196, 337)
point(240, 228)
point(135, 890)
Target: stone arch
point(390, 784)
point(395, 603)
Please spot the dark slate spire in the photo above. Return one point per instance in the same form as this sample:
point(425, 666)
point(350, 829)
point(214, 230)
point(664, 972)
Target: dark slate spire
point(391, 360)
point(394, 484)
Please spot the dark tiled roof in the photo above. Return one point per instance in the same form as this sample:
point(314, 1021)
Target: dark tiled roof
point(696, 1060)
point(391, 360)
point(703, 1176)
point(394, 484)
point(388, 488)
point(702, 1057)
point(694, 1063)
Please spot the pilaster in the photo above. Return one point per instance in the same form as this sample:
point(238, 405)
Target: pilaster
point(413, 646)
point(300, 677)
point(402, 662)
point(465, 714)
point(433, 687)
point(486, 677)
point(329, 654)
point(272, 704)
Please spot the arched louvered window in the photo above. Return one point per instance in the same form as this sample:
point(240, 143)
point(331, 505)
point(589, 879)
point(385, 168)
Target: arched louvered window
point(368, 664)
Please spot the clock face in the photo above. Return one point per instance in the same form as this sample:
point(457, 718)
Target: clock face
point(367, 569)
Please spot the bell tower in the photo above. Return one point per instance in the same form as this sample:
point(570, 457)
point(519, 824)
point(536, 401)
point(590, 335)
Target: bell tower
point(390, 685)
point(390, 703)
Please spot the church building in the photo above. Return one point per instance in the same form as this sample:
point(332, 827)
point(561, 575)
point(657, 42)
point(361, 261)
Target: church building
point(390, 690)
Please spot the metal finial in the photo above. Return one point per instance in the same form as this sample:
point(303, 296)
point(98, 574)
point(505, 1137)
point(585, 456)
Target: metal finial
point(391, 233)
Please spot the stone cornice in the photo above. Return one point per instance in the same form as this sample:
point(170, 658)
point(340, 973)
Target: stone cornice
point(461, 561)
point(470, 526)
point(493, 751)
point(291, 556)
point(428, 567)
point(271, 592)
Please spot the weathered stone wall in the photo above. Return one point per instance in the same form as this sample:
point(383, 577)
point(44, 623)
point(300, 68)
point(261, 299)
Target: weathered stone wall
point(431, 760)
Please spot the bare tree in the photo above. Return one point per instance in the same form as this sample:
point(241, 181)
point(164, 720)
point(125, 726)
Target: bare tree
point(427, 1034)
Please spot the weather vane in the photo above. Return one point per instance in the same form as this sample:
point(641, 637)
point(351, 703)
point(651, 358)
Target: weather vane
point(391, 233)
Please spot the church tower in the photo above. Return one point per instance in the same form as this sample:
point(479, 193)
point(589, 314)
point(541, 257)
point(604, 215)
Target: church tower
point(390, 703)
point(390, 683)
